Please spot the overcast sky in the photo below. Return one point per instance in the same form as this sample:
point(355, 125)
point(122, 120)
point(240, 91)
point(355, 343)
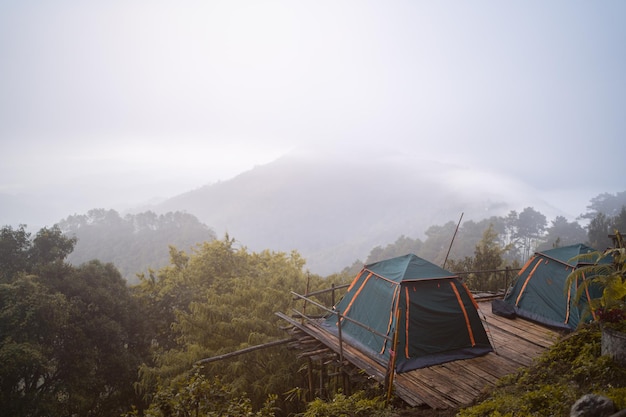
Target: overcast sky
point(159, 97)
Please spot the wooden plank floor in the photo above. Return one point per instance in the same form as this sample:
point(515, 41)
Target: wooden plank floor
point(454, 384)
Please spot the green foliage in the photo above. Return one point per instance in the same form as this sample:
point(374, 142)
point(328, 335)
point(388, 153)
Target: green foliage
point(562, 233)
point(507, 236)
point(221, 299)
point(50, 245)
point(199, 396)
point(571, 368)
point(610, 277)
point(70, 338)
point(134, 242)
point(14, 247)
point(31, 319)
point(479, 272)
point(618, 395)
point(402, 246)
point(529, 227)
point(21, 254)
point(606, 214)
point(606, 203)
point(355, 405)
point(598, 231)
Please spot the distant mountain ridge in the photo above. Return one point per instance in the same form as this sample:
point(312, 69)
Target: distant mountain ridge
point(334, 211)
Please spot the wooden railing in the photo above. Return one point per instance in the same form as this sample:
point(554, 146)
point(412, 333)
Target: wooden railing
point(340, 318)
point(494, 281)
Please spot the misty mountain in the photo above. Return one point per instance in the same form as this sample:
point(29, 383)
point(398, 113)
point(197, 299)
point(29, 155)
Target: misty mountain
point(334, 211)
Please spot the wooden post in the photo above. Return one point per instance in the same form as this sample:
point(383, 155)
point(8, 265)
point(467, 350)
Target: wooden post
point(340, 336)
point(391, 368)
point(321, 378)
point(242, 351)
point(340, 348)
point(507, 273)
point(311, 394)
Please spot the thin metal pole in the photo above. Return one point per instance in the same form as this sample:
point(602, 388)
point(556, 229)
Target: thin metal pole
point(452, 241)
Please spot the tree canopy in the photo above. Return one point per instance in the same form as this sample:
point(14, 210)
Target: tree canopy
point(77, 339)
point(218, 299)
point(134, 242)
point(71, 338)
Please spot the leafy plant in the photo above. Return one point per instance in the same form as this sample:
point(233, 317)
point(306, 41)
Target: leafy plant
point(571, 368)
point(610, 277)
point(355, 405)
point(197, 395)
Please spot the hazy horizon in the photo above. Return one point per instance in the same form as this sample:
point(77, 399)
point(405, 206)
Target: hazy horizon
point(114, 104)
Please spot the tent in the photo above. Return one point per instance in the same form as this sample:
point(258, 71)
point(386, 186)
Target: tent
point(434, 314)
point(540, 294)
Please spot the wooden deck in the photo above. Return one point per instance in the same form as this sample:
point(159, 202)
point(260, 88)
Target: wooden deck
point(454, 384)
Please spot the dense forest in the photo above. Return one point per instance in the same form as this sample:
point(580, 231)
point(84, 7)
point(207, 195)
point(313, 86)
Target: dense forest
point(77, 339)
point(134, 242)
point(139, 242)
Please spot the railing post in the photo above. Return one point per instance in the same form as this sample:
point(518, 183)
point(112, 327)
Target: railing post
point(393, 355)
point(339, 317)
point(306, 295)
point(332, 297)
point(507, 272)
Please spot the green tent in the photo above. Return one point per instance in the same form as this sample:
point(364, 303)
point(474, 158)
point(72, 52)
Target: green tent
point(540, 294)
point(434, 313)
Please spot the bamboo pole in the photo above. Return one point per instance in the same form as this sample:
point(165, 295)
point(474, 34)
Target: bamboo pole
point(331, 289)
point(452, 241)
point(391, 370)
point(311, 393)
point(308, 283)
point(242, 351)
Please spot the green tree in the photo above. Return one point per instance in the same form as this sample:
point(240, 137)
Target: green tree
point(108, 340)
point(50, 246)
point(562, 233)
point(224, 299)
point(529, 229)
point(402, 246)
point(135, 242)
point(32, 319)
point(197, 395)
point(619, 221)
point(437, 242)
point(488, 257)
point(14, 248)
point(71, 338)
point(510, 236)
point(488, 252)
point(598, 231)
point(605, 203)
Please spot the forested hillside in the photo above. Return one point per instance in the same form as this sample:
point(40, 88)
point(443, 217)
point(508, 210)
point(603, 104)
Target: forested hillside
point(517, 235)
point(333, 210)
point(78, 340)
point(137, 242)
point(134, 242)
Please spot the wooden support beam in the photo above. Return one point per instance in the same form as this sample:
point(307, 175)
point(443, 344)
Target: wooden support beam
point(242, 351)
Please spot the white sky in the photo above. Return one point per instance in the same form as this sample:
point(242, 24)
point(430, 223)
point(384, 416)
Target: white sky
point(133, 99)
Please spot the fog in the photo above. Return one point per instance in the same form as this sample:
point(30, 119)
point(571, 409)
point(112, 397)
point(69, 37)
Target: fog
point(113, 104)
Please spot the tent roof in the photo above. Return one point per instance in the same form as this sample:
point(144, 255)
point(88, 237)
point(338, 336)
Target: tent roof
point(565, 253)
point(407, 268)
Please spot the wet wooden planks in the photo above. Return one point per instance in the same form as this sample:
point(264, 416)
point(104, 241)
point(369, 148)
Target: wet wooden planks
point(454, 384)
